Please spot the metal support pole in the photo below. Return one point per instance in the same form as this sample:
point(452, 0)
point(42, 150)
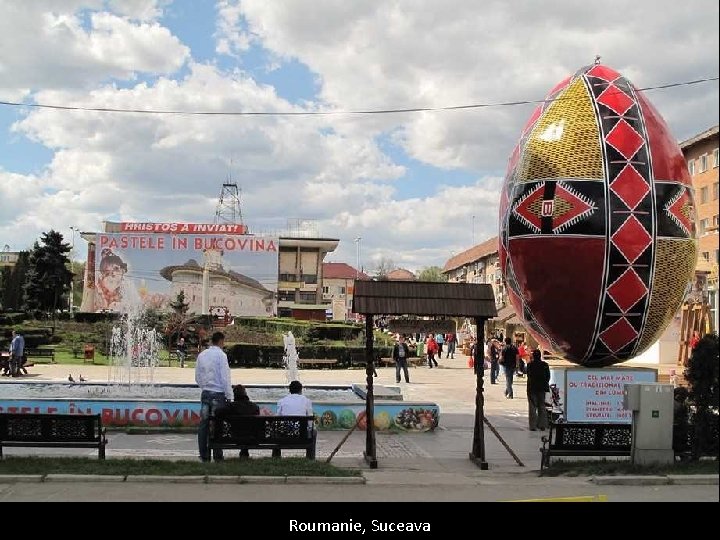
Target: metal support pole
point(478, 448)
point(370, 449)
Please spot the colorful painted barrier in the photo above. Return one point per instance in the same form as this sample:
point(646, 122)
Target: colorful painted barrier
point(389, 416)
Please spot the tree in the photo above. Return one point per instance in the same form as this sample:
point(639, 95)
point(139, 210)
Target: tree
point(383, 267)
point(179, 305)
point(432, 273)
point(702, 375)
point(13, 282)
point(48, 277)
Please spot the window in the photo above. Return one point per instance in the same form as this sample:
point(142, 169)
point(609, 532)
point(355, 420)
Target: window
point(326, 290)
point(717, 256)
point(716, 221)
point(286, 296)
point(704, 195)
point(715, 158)
point(716, 191)
point(691, 167)
point(703, 163)
point(706, 255)
point(342, 290)
point(307, 298)
point(704, 225)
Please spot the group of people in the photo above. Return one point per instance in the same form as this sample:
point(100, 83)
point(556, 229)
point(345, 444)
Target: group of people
point(220, 396)
point(13, 365)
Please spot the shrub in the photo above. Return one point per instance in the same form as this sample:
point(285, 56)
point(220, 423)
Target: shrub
point(702, 376)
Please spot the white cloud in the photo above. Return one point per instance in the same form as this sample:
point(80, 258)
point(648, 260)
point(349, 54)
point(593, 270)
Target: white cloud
point(396, 53)
point(401, 53)
point(45, 45)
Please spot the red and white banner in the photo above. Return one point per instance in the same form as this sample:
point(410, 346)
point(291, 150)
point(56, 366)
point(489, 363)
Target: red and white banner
point(183, 228)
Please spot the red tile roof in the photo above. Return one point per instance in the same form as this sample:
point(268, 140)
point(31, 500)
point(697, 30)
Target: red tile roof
point(488, 247)
point(341, 271)
point(400, 274)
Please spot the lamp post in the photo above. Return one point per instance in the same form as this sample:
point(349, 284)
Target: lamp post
point(357, 256)
point(72, 268)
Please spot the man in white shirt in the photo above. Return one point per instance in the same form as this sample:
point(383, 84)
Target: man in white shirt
point(295, 404)
point(212, 375)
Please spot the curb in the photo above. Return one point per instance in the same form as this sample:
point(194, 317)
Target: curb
point(84, 478)
point(16, 478)
point(678, 480)
point(694, 479)
point(165, 479)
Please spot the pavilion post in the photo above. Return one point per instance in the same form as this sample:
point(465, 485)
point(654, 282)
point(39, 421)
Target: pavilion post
point(370, 449)
point(478, 447)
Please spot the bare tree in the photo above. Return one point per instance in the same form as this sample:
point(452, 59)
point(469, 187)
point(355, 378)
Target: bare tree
point(383, 267)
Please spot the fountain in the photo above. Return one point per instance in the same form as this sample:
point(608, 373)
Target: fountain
point(134, 348)
point(133, 397)
point(290, 360)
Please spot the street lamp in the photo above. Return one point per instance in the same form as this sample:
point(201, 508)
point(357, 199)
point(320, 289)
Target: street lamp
point(357, 258)
point(72, 267)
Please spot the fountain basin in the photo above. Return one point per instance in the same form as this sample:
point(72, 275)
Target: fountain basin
point(178, 405)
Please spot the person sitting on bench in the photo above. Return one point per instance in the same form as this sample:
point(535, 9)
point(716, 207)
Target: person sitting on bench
point(241, 405)
point(295, 404)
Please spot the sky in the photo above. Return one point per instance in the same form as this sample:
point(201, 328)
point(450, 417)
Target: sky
point(416, 187)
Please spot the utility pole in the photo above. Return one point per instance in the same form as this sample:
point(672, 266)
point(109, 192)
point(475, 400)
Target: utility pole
point(72, 269)
point(357, 257)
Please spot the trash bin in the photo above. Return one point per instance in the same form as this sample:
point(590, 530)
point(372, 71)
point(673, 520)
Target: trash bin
point(89, 353)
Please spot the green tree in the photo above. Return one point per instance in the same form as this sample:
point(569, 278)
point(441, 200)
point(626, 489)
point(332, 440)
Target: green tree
point(432, 273)
point(702, 375)
point(12, 297)
point(48, 277)
point(179, 305)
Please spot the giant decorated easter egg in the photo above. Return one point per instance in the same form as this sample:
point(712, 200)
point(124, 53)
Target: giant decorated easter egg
point(597, 225)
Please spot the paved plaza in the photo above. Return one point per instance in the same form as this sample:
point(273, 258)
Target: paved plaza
point(413, 465)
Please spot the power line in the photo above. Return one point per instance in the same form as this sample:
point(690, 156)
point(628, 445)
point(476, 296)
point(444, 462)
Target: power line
point(328, 113)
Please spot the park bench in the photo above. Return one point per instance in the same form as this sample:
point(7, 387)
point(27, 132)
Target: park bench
point(317, 362)
point(585, 439)
point(52, 431)
point(234, 432)
point(40, 353)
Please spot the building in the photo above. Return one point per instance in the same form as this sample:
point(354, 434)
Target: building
point(300, 276)
point(400, 274)
point(337, 288)
point(8, 258)
point(479, 264)
point(701, 154)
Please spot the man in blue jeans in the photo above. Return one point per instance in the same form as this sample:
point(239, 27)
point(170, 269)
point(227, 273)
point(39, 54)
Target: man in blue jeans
point(212, 375)
point(509, 360)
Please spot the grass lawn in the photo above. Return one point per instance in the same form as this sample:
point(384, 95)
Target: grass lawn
point(612, 468)
point(230, 467)
point(68, 358)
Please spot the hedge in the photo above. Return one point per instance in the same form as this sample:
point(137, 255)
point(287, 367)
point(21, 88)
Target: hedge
point(89, 317)
point(12, 318)
point(251, 355)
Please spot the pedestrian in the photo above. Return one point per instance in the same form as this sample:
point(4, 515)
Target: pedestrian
point(508, 359)
point(431, 347)
point(241, 406)
point(451, 342)
point(494, 360)
point(181, 351)
point(538, 384)
point(17, 352)
point(440, 340)
point(401, 352)
point(212, 375)
point(523, 358)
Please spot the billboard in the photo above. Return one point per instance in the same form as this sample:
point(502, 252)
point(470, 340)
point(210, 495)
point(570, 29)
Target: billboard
point(233, 271)
point(596, 395)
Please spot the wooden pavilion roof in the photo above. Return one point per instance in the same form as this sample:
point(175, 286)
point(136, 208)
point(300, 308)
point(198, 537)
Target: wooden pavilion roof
point(424, 298)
